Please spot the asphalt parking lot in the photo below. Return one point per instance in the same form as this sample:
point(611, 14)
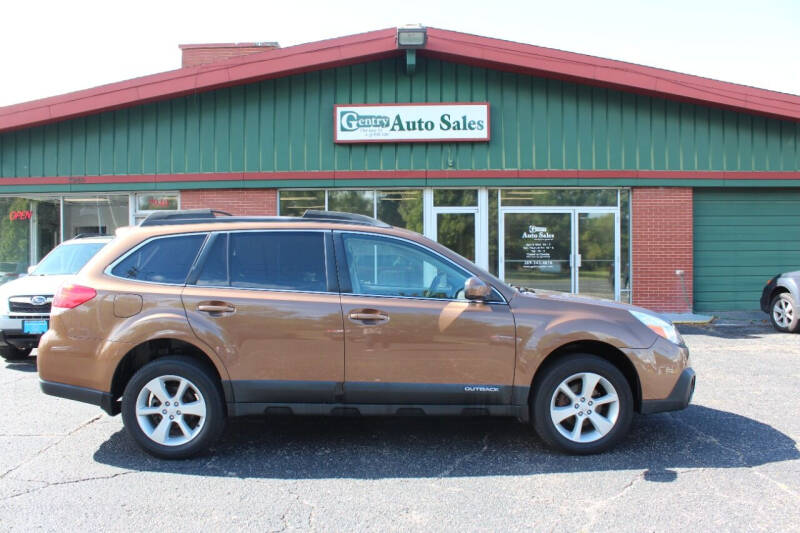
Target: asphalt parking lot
point(729, 462)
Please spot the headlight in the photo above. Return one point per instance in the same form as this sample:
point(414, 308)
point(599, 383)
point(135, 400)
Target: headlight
point(660, 327)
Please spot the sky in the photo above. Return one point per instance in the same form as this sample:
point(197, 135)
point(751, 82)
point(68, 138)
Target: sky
point(54, 47)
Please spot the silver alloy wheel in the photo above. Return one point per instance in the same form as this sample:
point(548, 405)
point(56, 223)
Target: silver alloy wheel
point(783, 312)
point(170, 410)
point(584, 407)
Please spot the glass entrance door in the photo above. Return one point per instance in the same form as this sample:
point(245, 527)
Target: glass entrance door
point(561, 249)
point(597, 255)
point(457, 231)
point(536, 248)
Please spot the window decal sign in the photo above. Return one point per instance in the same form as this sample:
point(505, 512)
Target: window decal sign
point(20, 215)
point(387, 123)
point(538, 247)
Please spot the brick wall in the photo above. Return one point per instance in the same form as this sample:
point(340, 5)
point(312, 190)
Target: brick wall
point(235, 201)
point(661, 244)
point(200, 54)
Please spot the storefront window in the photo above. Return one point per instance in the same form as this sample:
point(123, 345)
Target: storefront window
point(360, 202)
point(295, 203)
point(401, 208)
point(559, 197)
point(156, 202)
point(29, 229)
point(455, 197)
point(94, 215)
point(147, 203)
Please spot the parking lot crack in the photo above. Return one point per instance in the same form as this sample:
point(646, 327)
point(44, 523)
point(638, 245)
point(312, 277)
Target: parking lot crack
point(447, 471)
point(288, 513)
point(52, 444)
point(715, 441)
point(593, 510)
point(48, 484)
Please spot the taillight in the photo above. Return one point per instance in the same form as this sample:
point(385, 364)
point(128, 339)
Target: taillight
point(71, 295)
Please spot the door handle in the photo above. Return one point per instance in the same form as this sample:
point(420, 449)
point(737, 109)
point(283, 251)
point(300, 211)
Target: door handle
point(368, 317)
point(216, 308)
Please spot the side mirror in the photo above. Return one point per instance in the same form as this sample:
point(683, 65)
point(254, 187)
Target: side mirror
point(476, 289)
point(31, 269)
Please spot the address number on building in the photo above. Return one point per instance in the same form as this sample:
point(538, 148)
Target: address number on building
point(365, 123)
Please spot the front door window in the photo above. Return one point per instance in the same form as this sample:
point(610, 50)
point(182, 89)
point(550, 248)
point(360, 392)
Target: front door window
point(381, 266)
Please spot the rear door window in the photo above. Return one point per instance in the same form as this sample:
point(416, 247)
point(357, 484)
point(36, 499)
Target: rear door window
point(277, 260)
point(161, 260)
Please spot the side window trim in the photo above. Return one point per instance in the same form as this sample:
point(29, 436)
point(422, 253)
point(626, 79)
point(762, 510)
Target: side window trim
point(331, 275)
point(202, 257)
point(344, 273)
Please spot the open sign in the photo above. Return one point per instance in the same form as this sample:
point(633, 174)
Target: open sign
point(20, 215)
point(157, 202)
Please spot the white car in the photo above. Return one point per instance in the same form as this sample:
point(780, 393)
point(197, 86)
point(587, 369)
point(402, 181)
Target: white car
point(25, 302)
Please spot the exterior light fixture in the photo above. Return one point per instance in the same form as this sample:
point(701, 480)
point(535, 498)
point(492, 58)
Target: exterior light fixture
point(414, 36)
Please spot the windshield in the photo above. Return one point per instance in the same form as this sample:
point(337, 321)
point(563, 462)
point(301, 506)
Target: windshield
point(67, 259)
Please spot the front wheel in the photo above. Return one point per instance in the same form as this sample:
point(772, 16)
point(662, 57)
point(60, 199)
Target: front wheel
point(173, 408)
point(784, 314)
point(582, 404)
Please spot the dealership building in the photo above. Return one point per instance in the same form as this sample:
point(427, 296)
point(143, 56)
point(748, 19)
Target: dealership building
point(550, 169)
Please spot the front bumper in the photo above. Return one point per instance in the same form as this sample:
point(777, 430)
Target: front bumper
point(81, 394)
point(11, 333)
point(678, 399)
point(19, 340)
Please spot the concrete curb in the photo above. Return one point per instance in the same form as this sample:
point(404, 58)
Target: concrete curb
point(689, 318)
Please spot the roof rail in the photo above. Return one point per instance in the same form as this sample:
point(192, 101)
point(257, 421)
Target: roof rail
point(87, 235)
point(345, 218)
point(160, 218)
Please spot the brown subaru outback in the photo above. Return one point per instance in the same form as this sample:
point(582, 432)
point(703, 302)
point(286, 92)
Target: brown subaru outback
point(191, 318)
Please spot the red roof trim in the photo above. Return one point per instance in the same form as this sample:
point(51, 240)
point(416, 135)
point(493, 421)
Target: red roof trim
point(407, 174)
point(260, 44)
point(453, 46)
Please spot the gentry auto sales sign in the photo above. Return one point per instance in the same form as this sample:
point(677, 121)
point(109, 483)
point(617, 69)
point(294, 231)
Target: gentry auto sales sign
point(370, 123)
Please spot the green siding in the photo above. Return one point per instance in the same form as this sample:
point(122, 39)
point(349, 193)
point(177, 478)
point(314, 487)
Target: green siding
point(286, 125)
point(741, 239)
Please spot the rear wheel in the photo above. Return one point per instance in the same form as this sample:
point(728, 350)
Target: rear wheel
point(173, 408)
point(582, 404)
point(10, 353)
point(784, 314)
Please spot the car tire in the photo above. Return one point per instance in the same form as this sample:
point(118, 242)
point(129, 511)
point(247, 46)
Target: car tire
point(784, 314)
point(570, 418)
point(195, 422)
point(10, 353)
